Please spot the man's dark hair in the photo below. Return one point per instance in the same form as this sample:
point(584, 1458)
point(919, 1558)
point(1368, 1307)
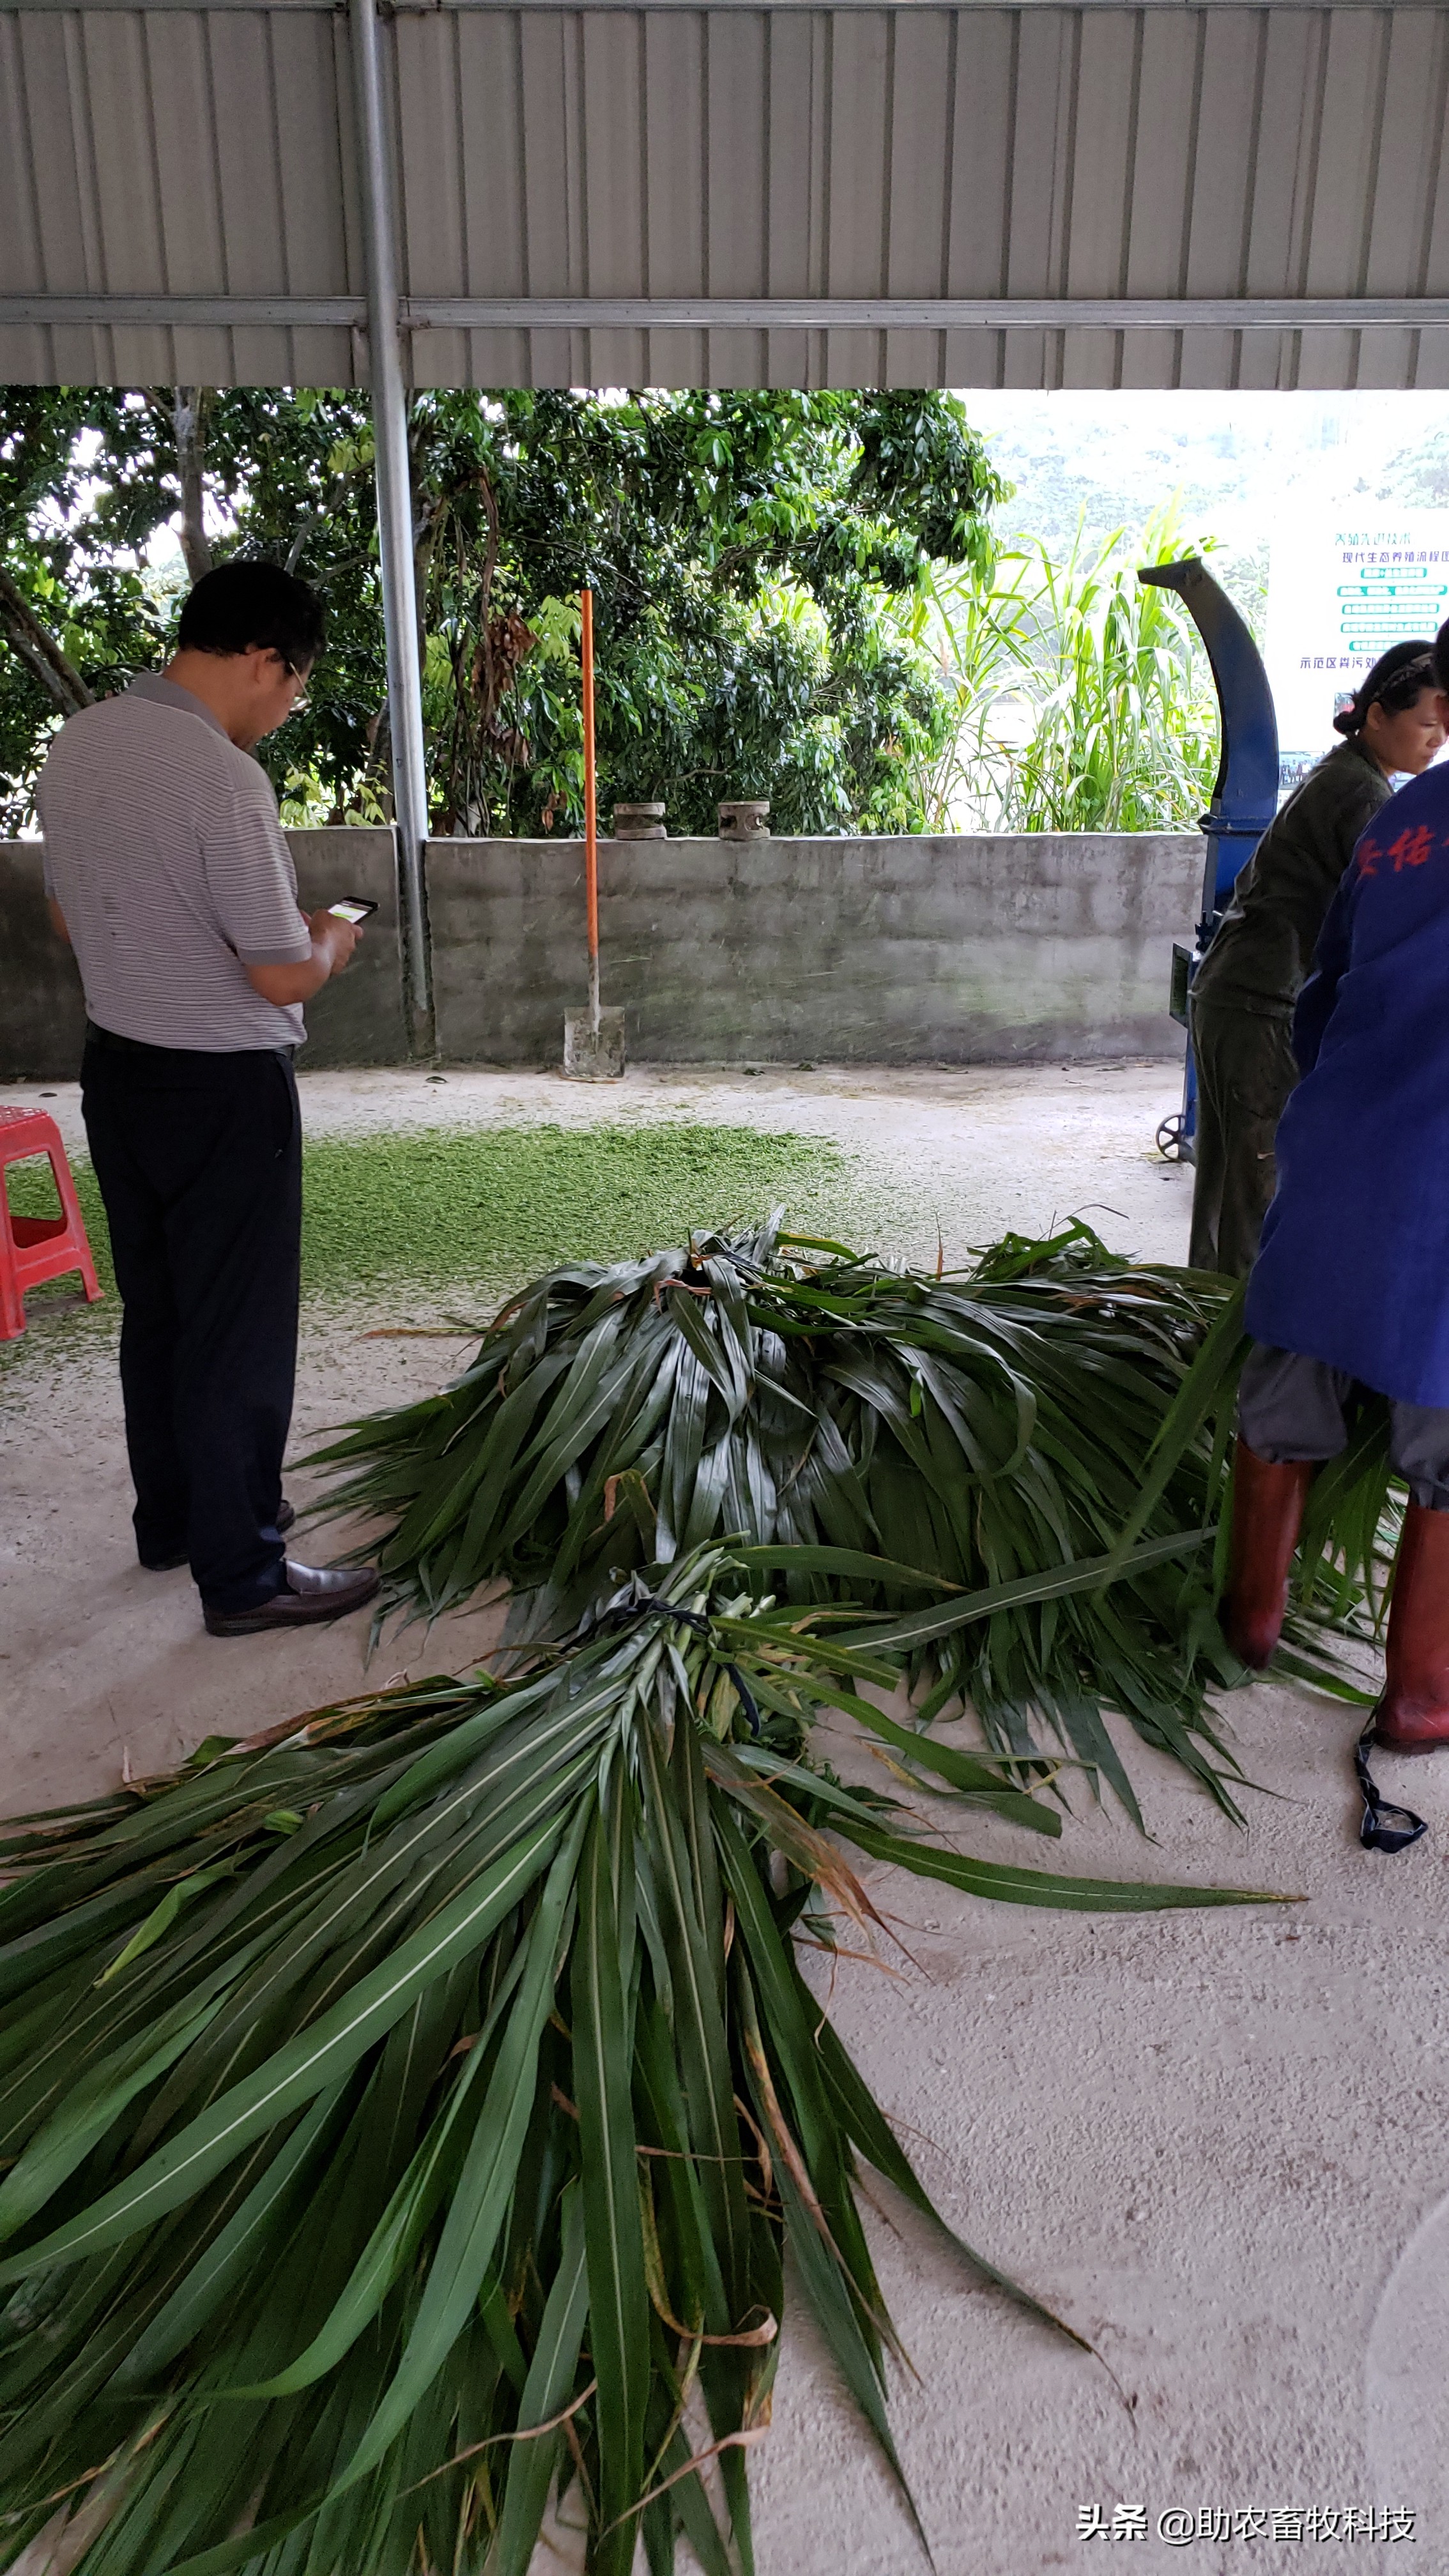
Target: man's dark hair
point(242, 604)
point(1441, 655)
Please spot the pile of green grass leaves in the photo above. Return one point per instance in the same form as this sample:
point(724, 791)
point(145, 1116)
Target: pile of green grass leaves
point(1029, 1463)
point(408, 2113)
point(958, 1437)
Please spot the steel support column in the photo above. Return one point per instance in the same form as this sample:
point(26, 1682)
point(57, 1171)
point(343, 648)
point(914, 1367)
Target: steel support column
point(394, 523)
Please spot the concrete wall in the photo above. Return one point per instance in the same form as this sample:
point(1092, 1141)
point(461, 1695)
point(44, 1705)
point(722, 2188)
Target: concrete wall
point(41, 1011)
point(958, 950)
point(359, 1018)
point(356, 1020)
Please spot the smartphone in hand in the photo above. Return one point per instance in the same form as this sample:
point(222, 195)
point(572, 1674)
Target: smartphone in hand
point(352, 907)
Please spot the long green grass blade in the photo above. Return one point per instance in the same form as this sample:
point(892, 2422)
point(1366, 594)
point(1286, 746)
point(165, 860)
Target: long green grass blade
point(1092, 1574)
point(480, 2197)
point(618, 2299)
point(1007, 1886)
point(296, 2073)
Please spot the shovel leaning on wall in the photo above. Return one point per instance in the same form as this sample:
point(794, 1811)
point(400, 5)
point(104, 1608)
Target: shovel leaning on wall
point(593, 1039)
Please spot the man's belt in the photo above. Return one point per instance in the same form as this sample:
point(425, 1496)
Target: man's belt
point(111, 1041)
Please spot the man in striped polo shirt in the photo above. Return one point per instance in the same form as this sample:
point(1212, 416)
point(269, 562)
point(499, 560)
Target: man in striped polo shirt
point(168, 873)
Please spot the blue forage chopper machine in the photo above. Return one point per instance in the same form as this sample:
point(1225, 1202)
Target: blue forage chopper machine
point(1245, 792)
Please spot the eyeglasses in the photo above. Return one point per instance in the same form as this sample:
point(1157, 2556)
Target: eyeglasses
point(301, 699)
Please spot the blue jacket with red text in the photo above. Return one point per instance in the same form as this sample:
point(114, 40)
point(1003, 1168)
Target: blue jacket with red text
point(1354, 1264)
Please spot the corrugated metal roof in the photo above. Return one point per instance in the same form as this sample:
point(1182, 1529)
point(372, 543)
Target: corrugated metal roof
point(897, 192)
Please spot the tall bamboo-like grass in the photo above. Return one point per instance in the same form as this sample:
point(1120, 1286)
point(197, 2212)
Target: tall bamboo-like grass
point(1083, 701)
point(407, 2114)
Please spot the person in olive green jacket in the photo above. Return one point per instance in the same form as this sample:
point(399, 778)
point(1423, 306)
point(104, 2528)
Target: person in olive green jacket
point(1241, 1011)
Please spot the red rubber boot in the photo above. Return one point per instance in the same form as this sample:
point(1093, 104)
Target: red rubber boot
point(1413, 1715)
point(1267, 1517)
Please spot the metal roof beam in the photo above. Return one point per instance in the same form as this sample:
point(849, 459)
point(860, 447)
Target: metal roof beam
point(188, 312)
point(710, 8)
point(929, 313)
point(746, 313)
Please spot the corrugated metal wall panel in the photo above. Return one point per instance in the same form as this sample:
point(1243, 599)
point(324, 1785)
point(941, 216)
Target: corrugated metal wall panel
point(978, 204)
point(177, 152)
point(1100, 218)
point(1402, 212)
point(25, 348)
point(1431, 366)
point(798, 146)
point(923, 71)
point(496, 230)
point(1221, 152)
point(251, 184)
point(676, 150)
point(184, 141)
point(1167, 72)
point(857, 182)
point(320, 216)
point(61, 250)
point(550, 140)
point(433, 150)
point(1345, 172)
point(611, 84)
point(1106, 151)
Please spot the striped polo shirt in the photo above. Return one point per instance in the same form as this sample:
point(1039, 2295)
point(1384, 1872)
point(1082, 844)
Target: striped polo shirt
point(164, 851)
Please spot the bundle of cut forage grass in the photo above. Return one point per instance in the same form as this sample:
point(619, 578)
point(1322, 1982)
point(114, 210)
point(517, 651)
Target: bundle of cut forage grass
point(405, 2115)
point(927, 1438)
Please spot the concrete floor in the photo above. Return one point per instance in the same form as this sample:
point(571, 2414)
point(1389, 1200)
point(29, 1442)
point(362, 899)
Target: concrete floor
point(1217, 2143)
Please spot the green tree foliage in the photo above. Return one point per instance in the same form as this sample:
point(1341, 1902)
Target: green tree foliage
point(754, 557)
point(76, 616)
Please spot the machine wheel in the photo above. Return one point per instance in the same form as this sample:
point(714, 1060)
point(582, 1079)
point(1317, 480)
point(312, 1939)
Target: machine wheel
point(1172, 1140)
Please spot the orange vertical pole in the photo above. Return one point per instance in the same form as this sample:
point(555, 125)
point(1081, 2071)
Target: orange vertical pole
point(591, 811)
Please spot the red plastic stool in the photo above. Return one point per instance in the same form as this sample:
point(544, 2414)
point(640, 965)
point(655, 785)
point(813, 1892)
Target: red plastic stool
point(33, 1248)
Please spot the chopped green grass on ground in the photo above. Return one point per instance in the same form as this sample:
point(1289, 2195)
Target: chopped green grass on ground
point(495, 1206)
point(502, 1204)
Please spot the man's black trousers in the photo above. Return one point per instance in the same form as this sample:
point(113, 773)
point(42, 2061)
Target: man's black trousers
point(199, 1160)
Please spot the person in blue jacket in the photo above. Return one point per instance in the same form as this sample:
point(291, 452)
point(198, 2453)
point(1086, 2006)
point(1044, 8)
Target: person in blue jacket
point(1351, 1284)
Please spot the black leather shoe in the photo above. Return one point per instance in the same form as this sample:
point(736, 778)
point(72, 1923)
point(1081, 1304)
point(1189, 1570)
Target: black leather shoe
point(169, 1564)
point(309, 1593)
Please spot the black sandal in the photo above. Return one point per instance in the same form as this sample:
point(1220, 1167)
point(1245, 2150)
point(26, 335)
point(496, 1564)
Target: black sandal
point(1383, 1826)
